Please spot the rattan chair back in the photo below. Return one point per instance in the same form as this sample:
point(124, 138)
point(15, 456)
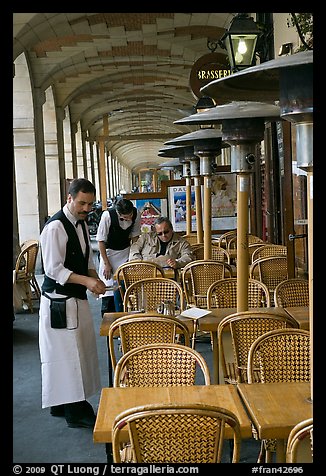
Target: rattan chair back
point(220, 254)
point(281, 355)
point(147, 294)
point(226, 237)
point(191, 238)
point(223, 293)
point(292, 292)
point(300, 437)
point(198, 251)
point(245, 328)
point(198, 275)
point(133, 271)
point(270, 271)
point(253, 247)
point(171, 433)
point(146, 328)
point(267, 250)
point(232, 243)
point(25, 271)
point(160, 364)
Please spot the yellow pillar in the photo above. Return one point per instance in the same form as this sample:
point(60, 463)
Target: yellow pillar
point(208, 217)
point(188, 205)
point(242, 241)
point(199, 210)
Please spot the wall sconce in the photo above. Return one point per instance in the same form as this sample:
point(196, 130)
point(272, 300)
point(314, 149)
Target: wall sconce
point(240, 42)
point(285, 49)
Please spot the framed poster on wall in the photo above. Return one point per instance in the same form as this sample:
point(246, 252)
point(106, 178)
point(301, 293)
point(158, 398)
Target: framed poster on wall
point(224, 204)
point(150, 209)
point(177, 207)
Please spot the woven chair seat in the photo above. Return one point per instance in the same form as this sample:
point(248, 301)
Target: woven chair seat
point(267, 250)
point(170, 433)
point(145, 328)
point(292, 292)
point(147, 294)
point(132, 271)
point(160, 365)
point(281, 355)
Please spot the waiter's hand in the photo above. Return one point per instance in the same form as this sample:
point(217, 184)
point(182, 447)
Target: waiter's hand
point(172, 262)
point(96, 286)
point(107, 272)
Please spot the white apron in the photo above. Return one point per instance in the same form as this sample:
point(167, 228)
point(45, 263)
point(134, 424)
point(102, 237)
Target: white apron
point(117, 258)
point(69, 360)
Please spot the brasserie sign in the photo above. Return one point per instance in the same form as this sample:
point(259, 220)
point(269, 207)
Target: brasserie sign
point(206, 69)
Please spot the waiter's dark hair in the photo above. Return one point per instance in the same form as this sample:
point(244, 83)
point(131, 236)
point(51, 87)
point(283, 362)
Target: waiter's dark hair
point(124, 206)
point(81, 185)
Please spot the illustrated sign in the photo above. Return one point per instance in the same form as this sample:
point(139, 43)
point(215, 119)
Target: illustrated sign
point(206, 69)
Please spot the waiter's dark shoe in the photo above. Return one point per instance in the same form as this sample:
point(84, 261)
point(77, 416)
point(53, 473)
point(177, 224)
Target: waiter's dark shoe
point(85, 421)
point(58, 411)
point(86, 408)
point(80, 415)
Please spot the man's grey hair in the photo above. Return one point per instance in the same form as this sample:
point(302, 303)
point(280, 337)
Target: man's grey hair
point(160, 220)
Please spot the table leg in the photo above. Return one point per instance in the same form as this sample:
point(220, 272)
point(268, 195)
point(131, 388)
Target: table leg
point(194, 333)
point(109, 456)
point(110, 369)
point(216, 376)
point(280, 451)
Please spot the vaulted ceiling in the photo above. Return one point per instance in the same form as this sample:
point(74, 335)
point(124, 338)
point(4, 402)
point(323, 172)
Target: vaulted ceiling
point(134, 67)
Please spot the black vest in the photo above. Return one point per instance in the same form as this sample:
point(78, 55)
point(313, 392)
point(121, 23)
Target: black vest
point(118, 239)
point(74, 260)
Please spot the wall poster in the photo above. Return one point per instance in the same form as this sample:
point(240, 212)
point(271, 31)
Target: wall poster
point(224, 204)
point(150, 209)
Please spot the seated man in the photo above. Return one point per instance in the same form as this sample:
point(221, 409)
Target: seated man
point(162, 246)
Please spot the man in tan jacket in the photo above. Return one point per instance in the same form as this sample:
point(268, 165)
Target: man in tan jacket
point(162, 246)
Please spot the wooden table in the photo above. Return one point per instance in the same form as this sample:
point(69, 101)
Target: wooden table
point(210, 322)
point(115, 400)
point(275, 408)
point(300, 314)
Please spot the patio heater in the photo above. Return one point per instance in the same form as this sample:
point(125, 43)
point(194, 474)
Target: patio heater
point(243, 125)
point(288, 79)
point(207, 145)
point(189, 157)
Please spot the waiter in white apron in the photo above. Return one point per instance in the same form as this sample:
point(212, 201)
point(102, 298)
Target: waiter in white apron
point(69, 360)
point(119, 226)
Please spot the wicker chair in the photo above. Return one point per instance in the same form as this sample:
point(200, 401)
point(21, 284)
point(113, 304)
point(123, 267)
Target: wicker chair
point(220, 254)
point(253, 247)
point(226, 237)
point(245, 328)
point(148, 328)
point(198, 251)
point(232, 242)
point(292, 292)
point(223, 293)
point(300, 437)
point(198, 275)
point(25, 271)
point(160, 364)
point(267, 250)
point(170, 433)
point(271, 271)
point(133, 271)
point(147, 294)
point(191, 238)
point(280, 355)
